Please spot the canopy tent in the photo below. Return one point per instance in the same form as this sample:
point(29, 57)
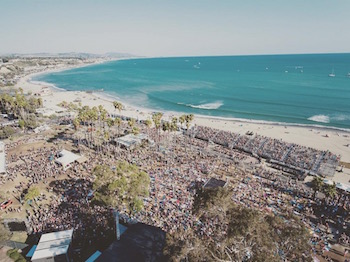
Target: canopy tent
point(52, 245)
point(344, 187)
point(131, 140)
point(66, 158)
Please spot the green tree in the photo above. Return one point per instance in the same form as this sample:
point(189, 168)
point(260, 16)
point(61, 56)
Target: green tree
point(118, 106)
point(317, 185)
point(135, 130)
point(33, 192)
point(131, 123)
point(189, 118)
point(148, 123)
point(118, 122)
point(330, 190)
point(182, 119)
point(238, 233)
point(124, 185)
point(157, 120)
point(76, 123)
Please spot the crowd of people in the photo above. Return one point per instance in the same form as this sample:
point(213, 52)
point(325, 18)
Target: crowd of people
point(174, 164)
point(292, 155)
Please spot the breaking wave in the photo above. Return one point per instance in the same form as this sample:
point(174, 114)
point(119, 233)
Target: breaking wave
point(320, 118)
point(341, 117)
point(206, 106)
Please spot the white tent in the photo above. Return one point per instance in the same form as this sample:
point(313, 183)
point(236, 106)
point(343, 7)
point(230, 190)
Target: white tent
point(66, 158)
point(52, 245)
point(344, 187)
point(131, 140)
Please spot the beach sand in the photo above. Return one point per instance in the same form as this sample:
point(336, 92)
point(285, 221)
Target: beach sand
point(316, 137)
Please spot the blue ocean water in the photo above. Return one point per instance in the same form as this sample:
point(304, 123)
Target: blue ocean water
point(279, 88)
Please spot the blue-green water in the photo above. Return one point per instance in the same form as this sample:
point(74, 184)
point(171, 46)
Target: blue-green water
point(279, 88)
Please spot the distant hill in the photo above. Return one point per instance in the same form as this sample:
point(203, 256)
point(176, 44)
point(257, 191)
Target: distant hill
point(70, 54)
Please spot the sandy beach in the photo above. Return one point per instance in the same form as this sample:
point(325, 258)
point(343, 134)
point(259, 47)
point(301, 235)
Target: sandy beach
point(336, 141)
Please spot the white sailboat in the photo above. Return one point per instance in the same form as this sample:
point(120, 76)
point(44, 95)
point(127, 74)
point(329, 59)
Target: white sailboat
point(332, 74)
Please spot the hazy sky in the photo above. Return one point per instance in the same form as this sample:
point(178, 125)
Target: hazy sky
point(176, 27)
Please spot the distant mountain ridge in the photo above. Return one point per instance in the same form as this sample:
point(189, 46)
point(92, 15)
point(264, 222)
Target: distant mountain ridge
point(70, 55)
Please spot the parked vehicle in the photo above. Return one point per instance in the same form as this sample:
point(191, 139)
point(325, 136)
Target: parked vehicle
point(6, 204)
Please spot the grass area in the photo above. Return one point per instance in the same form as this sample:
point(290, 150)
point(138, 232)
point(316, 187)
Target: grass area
point(19, 237)
point(15, 255)
point(345, 164)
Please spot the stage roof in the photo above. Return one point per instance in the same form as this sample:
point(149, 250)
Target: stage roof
point(53, 244)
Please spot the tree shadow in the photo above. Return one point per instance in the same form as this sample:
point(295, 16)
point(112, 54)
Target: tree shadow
point(71, 209)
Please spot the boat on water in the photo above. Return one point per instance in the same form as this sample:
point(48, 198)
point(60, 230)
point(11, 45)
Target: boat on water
point(332, 74)
point(348, 75)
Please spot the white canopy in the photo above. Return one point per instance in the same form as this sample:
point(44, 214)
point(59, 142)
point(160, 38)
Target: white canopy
point(53, 244)
point(66, 158)
point(131, 140)
point(344, 187)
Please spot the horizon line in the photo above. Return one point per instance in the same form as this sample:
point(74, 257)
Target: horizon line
point(175, 56)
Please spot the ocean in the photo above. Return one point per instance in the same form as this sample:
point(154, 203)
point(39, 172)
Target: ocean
point(292, 89)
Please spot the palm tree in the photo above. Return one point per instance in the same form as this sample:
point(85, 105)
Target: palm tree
point(76, 123)
point(330, 190)
point(317, 185)
point(118, 106)
point(40, 102)
point(106, 137)
point(118, 122)
point(189, 118)
point(157, 122)
point(166, 126)
point(182, 119)
point(131, 123)
point(135, 130)
point(110, 122)
point(148, 123)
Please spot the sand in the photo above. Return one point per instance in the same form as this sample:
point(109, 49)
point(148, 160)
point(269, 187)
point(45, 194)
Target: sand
point(315, 137)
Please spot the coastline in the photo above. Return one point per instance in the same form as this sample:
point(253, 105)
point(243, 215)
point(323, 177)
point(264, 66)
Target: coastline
point(316, 136)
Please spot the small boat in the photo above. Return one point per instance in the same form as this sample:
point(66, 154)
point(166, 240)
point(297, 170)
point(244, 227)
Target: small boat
point(348, 75)
point(332, 74)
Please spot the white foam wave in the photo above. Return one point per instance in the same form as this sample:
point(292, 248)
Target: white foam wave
point(319, 118)
point(341, 117)
point(207, 106)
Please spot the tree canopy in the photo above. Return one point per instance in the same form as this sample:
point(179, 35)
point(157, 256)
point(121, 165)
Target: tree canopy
point(33, 192)
point(123, 185)
point(237, 233)
point(21, 106)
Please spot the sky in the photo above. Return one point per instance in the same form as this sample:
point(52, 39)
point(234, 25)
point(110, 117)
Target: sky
point(176, 27)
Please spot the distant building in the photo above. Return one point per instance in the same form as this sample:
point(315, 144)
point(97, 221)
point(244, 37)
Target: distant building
point(2, 158)
point(53, 247)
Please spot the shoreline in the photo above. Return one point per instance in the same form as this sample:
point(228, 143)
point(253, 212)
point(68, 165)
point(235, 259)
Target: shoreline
point(108, 97)
point(320, 137)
